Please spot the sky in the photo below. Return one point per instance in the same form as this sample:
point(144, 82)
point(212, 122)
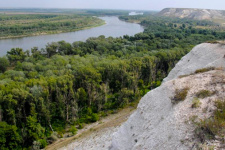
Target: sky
point(114, 4)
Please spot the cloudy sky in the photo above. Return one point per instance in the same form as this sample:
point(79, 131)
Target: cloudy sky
point(115, 4)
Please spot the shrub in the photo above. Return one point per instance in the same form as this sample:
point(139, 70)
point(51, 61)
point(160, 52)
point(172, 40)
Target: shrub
point(9, 137)
point(36, 145)
point(43, 143)
point(203, 94)
point(80, 125)
point(73, 130)
point(213, 42)
point(180, 95)
point(204, 69)
point(182, 76)
point(209, 128)
point(4, 63)
point(94, 117)
point(53, 137)
point(196, 103)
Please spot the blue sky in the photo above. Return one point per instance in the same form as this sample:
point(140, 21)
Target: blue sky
point(115, 4)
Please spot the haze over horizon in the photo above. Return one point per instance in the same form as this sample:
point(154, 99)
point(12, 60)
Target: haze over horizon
point(115, 4)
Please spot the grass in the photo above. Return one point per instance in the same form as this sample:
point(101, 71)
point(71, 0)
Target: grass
point(216, 42)
point(196, 103)
point(180, 95)
point(204, 94)
point(204, 69)
point(201, 71)
point(213, 42)
point(214, 126)
point(182, 76)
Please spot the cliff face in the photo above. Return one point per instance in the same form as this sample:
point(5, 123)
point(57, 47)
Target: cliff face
point(201, 56)
point(200, 14)
point(160, 124)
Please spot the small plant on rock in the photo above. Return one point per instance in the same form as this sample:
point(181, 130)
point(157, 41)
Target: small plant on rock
point(203, 94)
point(196, 103)
point(180, 95)
point(214, 126)
point(204, 70)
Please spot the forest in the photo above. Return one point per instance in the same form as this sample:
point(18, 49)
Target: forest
point(45, 93)
point(20, 25)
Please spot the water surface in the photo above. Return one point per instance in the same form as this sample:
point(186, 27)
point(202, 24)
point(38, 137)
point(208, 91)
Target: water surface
point(113, 27)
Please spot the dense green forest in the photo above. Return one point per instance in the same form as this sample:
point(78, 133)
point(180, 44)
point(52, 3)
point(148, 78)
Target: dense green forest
point(45, 93)
point(19, 25)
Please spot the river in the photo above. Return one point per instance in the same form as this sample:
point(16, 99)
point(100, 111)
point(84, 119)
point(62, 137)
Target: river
point(113, 27)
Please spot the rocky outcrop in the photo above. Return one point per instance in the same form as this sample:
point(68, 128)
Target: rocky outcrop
point(158, 124)
point(200, 14)
point(202, 56)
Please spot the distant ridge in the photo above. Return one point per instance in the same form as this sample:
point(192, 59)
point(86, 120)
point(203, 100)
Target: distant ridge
point(193, 13)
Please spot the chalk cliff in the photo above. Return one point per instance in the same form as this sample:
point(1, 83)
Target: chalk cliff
point(158, 123)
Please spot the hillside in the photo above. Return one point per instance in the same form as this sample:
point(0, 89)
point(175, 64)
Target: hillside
point(199, 14)
point(181, 113)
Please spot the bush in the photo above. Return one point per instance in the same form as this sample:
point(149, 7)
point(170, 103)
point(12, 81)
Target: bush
point(73, 130)
point(196, 103)
point(182, 76)
point(4, 63)
point(213, 42)
point(94, 117)
point(210, 127)
point(203, 94)
point(53, 137)
point(43, 143)
point(9, 138)
point(80, 125)
point(180, 95)
point(204, 69)
point(36, 145)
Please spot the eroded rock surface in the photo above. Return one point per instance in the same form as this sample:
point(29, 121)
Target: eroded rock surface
point(157, 124)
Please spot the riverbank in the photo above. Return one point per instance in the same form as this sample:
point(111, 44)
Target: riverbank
point(54, 32)
point(23, 25)
point(96, 135)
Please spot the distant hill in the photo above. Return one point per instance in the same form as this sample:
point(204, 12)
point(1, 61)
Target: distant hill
point(191, 13)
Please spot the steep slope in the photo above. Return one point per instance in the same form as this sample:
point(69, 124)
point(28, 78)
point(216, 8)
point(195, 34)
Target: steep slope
point(160, 124)
point(202, 56)
point(200, 14)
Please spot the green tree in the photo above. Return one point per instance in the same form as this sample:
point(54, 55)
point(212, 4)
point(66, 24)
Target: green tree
point(52, 49)
point(34, 130)
point(4, 63)
point(16, 54)
point(9, 137)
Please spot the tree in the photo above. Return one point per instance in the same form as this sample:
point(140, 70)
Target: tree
point(52, 49)
point(16, 54)
point(4, 63)
point(34, 130)
point(9, 138)
point(65, 48)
